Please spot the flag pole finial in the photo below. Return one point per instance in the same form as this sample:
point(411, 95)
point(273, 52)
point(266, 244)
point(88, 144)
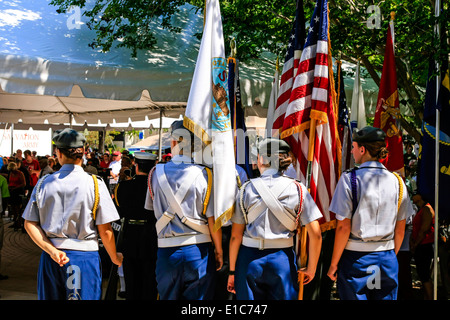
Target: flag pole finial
point(392, 15)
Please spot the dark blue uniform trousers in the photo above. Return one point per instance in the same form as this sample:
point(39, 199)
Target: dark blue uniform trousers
point(79, 279)
point(269, 274)
point(368, 275)
point(186, 272)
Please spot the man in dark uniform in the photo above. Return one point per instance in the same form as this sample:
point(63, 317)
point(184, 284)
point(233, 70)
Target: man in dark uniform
point(139, 237)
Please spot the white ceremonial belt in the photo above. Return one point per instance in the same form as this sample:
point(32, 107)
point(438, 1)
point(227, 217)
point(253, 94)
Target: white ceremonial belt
point(355, 245)
point(166, 217)
point(75, 244)
point(262, 244)
point(183, 240)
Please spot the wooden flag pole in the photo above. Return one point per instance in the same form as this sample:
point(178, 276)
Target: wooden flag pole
point(302, 230)
point(303, 259)
point(312, 133)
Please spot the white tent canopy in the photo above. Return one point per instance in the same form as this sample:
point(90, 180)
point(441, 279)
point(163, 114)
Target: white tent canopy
point(49, 73)
point(153, 141)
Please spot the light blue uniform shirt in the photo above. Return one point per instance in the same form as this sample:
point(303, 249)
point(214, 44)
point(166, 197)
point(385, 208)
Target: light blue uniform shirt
point(176, 171)
point(267, 226)
point(373, 222)
point(66, 199)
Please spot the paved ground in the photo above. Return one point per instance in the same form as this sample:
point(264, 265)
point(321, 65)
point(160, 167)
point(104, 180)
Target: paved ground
point(20, 260)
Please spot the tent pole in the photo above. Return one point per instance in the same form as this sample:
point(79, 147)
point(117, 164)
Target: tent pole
point(51, 142)
point(4, 132)
point(11, 129)
point(160, 135)
point(101, 140)
point(70, 120)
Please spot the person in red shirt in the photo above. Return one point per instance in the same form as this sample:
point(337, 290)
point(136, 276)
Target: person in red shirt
point(105, 161)
point(421, 243)
point(32, 165)
point(16, 186)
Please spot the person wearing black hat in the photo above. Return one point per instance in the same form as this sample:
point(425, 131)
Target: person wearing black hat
point(139, 234)
point(371, 205)
point(189, 249)
point(67, 211)
point(268, 209)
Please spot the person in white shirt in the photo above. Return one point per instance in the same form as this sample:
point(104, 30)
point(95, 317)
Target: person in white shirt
point(115, 165)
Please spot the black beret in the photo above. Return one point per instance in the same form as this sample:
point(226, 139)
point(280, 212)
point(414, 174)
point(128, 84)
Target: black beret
point(145, 156)
point(368, 134)
point(177, 130)
point(68, 138)
point(273, 146)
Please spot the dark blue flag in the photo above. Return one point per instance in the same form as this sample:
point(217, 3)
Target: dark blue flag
point(443, 101)
point(241, 141)
point(343, 122)
point(426, 169)
point(427, 156)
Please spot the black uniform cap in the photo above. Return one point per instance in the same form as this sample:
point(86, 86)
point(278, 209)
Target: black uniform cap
point(68, 138)
point(368, 134)
point(273, 146)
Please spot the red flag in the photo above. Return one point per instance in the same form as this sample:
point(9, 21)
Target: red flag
point(311, 105)
point(388, 109)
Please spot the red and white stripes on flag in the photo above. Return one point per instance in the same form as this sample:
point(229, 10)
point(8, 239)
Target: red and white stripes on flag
point(310, 111)
point(292, 60)
point(290, 66)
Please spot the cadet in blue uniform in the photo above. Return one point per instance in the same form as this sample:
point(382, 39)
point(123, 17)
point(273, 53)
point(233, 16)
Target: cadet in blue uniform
point(180, 195)
point(139, 233)
point(371, 205)
point(268, 209)
point(62, 217)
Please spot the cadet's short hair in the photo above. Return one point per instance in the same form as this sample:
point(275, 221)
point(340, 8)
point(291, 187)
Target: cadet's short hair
point(145, 161)
point(184, 137)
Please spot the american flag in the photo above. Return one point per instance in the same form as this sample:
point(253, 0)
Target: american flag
point(294, 50)
point(312, 100)
point(344, 129)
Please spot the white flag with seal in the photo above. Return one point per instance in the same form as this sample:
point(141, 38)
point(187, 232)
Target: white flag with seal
point(208, 113)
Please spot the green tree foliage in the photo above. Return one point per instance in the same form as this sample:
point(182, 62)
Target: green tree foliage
point(264, 25)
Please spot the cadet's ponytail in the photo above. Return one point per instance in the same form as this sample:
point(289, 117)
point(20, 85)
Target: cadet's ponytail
point(72, 153)
point(284, 161)
point(377, 149)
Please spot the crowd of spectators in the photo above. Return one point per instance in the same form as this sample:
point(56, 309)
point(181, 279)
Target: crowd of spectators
point(25, 168)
